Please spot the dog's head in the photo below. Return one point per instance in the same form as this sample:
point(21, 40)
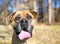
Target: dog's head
point(22, 22)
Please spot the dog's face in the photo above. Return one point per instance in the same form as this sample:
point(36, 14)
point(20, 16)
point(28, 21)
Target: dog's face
point(22, 22)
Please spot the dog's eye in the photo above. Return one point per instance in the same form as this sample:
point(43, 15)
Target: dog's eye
point(29, 17)
point(17, 17)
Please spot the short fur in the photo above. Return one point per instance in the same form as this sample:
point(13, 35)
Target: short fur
point(22, 14)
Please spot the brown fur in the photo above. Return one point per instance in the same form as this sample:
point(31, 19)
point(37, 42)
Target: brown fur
point(23, 14)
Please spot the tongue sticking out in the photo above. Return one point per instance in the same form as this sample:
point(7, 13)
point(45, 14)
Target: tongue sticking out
point(23, 35)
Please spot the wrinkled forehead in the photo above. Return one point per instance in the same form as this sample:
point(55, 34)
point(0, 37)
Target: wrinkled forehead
point(23, 13)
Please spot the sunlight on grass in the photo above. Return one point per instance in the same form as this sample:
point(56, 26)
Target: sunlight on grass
point(48, 34)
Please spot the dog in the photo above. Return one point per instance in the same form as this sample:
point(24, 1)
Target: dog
point(23, 24)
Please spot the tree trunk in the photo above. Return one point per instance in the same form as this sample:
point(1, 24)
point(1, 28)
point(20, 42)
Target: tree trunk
point(50, 11)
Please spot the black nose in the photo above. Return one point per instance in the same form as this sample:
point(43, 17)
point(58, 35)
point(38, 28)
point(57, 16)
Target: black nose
point(24, 22)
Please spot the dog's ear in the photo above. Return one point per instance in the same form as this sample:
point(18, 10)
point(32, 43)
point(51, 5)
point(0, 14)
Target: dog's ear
point(9, 17)
point(35, 14)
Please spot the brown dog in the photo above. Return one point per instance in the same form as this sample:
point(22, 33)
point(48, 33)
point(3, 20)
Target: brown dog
point(23, 23)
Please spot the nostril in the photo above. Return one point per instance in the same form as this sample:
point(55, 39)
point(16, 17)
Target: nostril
point(24, 21)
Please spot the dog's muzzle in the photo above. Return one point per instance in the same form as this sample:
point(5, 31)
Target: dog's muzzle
point(24, 23)
point(23, 30)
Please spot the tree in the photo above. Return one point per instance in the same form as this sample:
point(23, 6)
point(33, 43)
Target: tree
point(40, 10)
point(3, 12)
point(50, 11)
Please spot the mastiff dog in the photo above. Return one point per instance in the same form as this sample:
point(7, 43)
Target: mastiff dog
point(22, 23)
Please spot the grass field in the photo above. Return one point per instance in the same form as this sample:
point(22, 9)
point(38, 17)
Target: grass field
point(45, 34)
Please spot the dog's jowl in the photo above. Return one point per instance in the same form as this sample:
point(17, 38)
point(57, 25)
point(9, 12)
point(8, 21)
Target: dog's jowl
point(22, 23)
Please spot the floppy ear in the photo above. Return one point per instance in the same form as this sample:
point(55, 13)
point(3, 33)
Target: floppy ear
point(9, 17)
point(35, 14)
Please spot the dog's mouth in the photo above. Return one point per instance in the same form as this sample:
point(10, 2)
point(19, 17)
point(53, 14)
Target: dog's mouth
point(24, 34)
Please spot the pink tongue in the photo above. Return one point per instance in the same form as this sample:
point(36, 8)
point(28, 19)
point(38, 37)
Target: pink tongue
point(23, 35)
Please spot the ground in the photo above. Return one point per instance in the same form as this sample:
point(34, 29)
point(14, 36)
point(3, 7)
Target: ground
point(45, 34)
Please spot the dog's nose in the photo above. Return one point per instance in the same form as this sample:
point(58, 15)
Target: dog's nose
point(24, 22)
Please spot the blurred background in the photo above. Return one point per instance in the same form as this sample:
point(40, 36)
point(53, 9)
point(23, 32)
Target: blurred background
point(48, 10)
